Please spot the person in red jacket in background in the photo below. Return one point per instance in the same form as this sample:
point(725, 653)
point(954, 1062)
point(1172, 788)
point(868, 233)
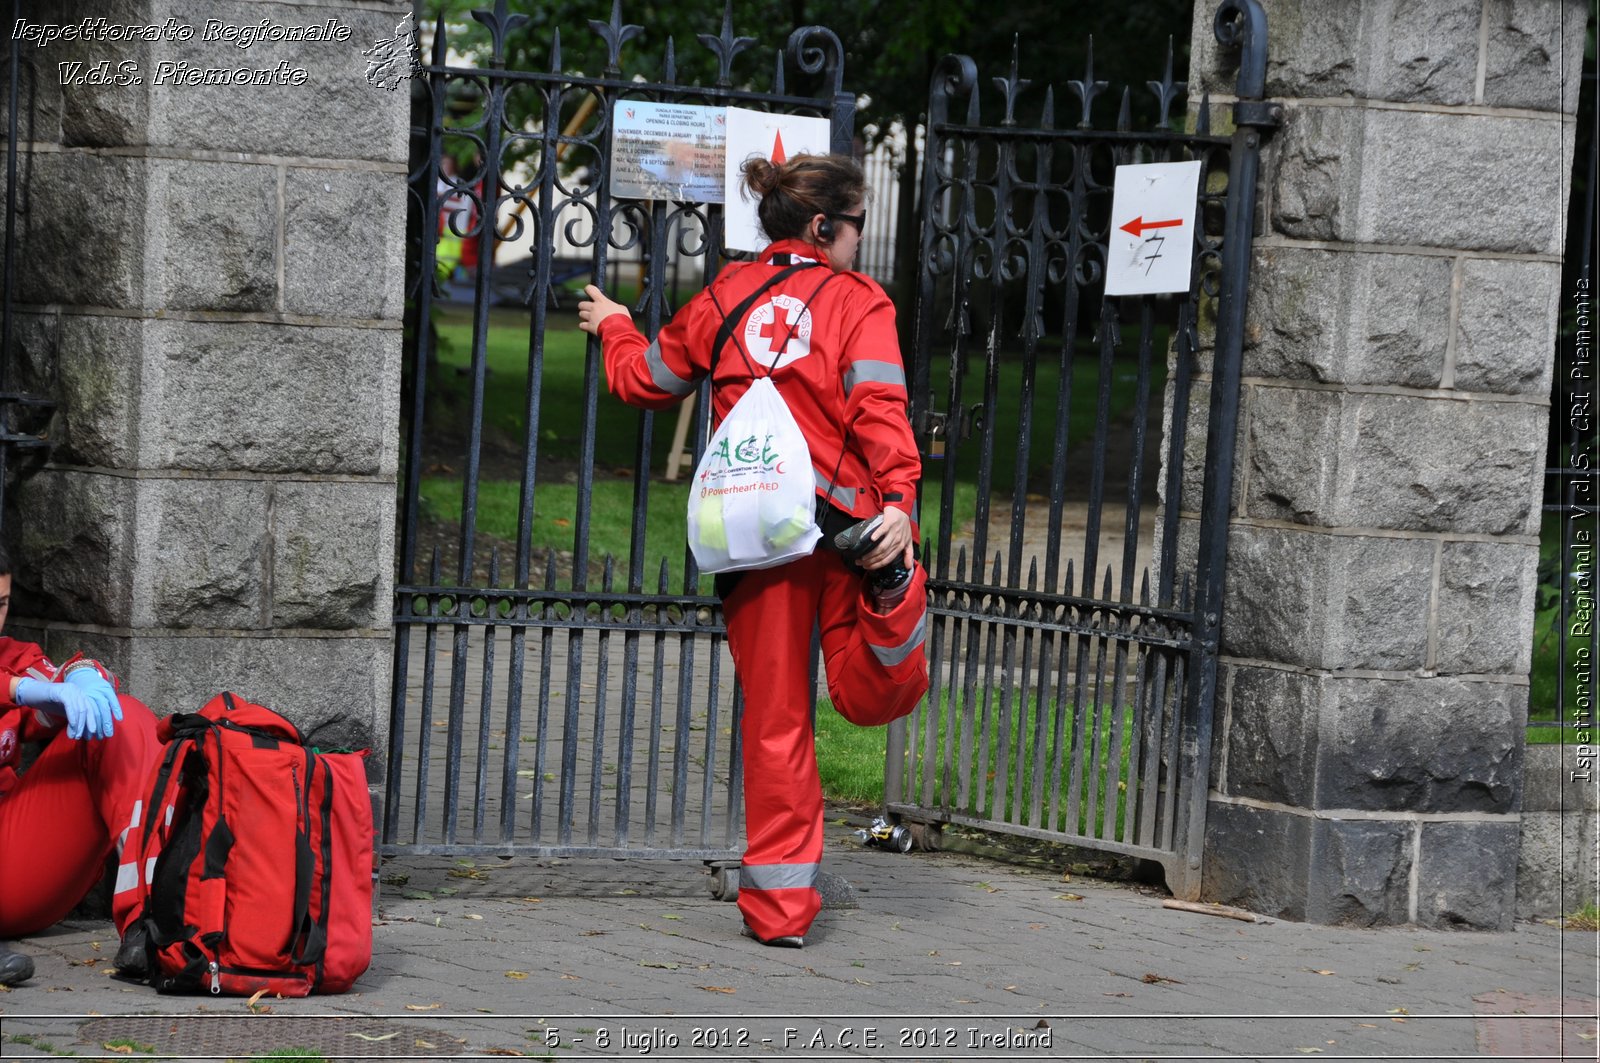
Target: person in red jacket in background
point(76, 802)
point(827, 336)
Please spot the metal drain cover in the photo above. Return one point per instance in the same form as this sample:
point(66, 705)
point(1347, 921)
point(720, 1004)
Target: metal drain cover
point(244, 1036)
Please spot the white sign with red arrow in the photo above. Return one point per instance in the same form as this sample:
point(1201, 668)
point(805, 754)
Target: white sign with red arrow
point(1152, 228)
point(775, 137)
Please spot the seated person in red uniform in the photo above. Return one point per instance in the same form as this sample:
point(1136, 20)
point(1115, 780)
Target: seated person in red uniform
point(76, 803)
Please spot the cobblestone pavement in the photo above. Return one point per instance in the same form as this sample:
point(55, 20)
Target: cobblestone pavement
point(925, 956)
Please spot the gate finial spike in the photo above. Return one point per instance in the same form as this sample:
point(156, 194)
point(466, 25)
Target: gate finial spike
point(1166, 89)
point(777, 74)
point(1069, 584)
point(1106, 594)
point(1033, 572)
point(961, 564)
point(1088, 88)
point(994, 573)
point(433, 566)
point(1048, 119)
point(550, 571)
point(664, 574)
point(440, 50)
point(555, 52)
point(1125, 112)
point(494, 566)
point(615, 34)
point(670, 64)
point(605, 576)
point(1202, 123)
point(1012, 85)
point(500, 23)
point(1144, 587)
point(726, 46)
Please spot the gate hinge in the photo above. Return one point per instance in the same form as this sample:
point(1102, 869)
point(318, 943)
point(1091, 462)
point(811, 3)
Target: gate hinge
point(1257, 114)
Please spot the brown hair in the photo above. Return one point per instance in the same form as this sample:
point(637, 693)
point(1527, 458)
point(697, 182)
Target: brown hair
point(794, 192)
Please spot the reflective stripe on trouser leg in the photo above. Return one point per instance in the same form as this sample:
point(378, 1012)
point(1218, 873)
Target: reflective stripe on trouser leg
point(770, 616)
point(128, 872)
point(778, 877)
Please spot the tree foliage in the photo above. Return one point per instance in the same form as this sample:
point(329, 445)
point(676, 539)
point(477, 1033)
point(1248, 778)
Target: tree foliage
point(891, 46)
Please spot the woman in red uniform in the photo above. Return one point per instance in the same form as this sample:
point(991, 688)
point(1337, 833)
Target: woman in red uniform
point(76, 802)
point(828, 334)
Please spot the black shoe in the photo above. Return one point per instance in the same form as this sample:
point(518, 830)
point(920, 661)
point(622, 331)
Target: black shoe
point(783, 941)
point(886, 585)
point(133, 958)
point(15, 967)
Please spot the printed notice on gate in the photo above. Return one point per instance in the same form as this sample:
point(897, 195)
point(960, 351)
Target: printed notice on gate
point(1151, 245)
point(667, 151)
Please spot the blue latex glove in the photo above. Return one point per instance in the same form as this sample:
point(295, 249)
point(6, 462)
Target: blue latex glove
point(101, 692)
point(64, 699)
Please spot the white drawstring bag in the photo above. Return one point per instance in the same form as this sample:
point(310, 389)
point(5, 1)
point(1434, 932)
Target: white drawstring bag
point(752, 503)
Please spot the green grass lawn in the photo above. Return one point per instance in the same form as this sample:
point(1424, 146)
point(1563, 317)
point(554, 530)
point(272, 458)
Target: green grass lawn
point(1544, 684)
point(850, 760)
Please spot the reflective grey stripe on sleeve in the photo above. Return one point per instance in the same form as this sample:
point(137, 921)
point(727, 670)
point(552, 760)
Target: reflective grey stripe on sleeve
point(845, 496)
point(893, 655)
point(878, 372)
point(662, 376)
point(778, 876)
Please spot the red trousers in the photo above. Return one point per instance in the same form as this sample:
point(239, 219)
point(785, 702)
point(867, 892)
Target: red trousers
point(72, 808)
point(877, 672)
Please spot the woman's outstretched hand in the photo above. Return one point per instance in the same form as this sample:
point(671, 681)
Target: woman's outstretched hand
point(596, 308)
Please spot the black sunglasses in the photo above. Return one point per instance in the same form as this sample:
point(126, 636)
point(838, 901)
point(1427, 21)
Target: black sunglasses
point(858, 220)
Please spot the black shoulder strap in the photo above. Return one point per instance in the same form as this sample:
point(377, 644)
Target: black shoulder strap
point(730, 321)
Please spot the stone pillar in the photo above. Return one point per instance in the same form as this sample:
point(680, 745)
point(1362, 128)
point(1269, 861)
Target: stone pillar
point(211, 288)
point(1376, 638)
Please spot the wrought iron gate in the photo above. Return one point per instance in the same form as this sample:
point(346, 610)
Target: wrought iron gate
point(567, 657)
point(1073, 704)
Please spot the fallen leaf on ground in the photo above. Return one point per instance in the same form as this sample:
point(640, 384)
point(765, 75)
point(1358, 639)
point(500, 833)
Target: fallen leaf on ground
point(466, 872)
point(420, 1043)
point(1151, 978)
point(663, 966)
point(503, 1051)
point(375, 1037)
point(126, 1050)
point(1307, 1048)
point(423, 1007)
point(1069, 896)
point(475, 915)
point(251, 1003)
point(1322, 971)
point(717, 988)
point(572, 977)
point(516, 974)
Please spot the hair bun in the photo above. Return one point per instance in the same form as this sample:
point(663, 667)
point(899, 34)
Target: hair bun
point(760, 175)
